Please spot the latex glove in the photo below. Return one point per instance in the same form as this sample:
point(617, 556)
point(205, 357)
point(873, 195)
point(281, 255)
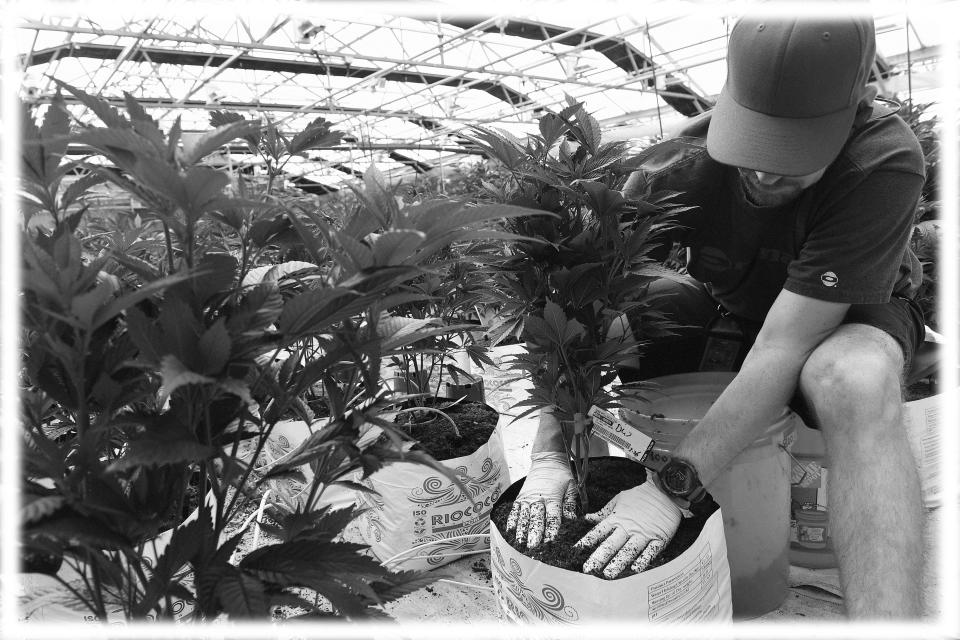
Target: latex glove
point(634, 527)
point(548, 493)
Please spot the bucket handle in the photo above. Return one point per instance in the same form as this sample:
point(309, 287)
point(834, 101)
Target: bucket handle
point(798, 463)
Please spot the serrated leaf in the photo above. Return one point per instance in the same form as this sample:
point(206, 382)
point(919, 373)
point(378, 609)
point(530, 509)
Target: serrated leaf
point(40, 507)
point(183, 544)
point(551, 128)
point(563, 329)
point(173, 140)
point(259, 308)
point(397, 246)
point(591, 130)
point(79, 188)
point(316, 134)
point(124, 302)
point(202, 186)
point(402, 583)
point(146, 271)
point(399, 326)
point(75, 529)
point(143, 124)
point(275, 272)
point(164, 444)
point(175, 375)
point(305, 312)
point(241, 595)
point(107, 114)
point(53, 132)
point(354, 486)
point(238, 388)
point(360, 256)
point(300, 562)
point(210, 141)
point(127, 149)
point(85, 306)
point(214, 348)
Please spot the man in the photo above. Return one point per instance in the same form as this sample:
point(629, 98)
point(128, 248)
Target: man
point(805, 189)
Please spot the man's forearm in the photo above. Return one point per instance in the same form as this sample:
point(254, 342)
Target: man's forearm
point(755, 398)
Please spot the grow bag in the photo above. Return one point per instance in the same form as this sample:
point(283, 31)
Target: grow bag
point(694, 586)
point(420, 520)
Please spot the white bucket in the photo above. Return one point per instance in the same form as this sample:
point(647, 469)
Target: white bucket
point(753, 491)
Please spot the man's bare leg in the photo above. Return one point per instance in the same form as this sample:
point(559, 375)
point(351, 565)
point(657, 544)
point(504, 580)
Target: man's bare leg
point(852, 381)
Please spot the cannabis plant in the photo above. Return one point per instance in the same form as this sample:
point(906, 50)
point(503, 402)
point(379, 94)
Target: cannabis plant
point(925, 240)
point(150, 360)
point(577, 272)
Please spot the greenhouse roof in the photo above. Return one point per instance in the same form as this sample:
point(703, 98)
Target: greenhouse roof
point(404, 83)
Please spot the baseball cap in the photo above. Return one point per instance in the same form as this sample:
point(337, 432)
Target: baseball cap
point(792, 90)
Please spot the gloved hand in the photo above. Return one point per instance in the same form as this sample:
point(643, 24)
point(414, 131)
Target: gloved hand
point(548, 493)
point(634, 526)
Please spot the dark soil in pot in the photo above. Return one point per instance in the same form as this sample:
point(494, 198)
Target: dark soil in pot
point(607, 477)
point(475, 421)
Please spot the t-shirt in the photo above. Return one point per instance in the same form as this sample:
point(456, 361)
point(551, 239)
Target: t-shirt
point(844, 239)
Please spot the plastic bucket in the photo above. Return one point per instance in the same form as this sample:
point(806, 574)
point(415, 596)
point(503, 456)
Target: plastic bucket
point(753, 491)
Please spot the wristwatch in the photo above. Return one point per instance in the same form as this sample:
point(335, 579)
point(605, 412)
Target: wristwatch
point(678, 479)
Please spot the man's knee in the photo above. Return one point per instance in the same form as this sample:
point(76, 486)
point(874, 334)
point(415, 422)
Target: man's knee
point(853, 378)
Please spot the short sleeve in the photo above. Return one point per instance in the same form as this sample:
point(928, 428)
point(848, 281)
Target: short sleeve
point(855, 244)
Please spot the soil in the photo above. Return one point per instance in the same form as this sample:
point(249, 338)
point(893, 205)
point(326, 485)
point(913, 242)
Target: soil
point(475, 421)
point(607, 477)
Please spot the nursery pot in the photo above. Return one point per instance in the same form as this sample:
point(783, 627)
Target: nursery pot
point(419, 520)
point(693, 587)
point(753, 491)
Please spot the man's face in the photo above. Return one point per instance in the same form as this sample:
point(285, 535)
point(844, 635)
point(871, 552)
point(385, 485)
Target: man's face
point(770, 189)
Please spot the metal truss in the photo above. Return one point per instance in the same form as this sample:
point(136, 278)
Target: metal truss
point(404, 88)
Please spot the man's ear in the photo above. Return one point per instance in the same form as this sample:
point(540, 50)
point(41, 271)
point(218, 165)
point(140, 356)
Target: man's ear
point(865, 106)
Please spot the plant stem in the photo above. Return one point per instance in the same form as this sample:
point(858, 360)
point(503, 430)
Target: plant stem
point(169, 242)
point(431, 409)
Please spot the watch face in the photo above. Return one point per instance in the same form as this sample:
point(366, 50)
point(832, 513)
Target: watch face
point(678, 478)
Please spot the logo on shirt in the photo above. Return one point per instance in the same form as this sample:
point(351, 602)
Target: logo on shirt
point(829, 279)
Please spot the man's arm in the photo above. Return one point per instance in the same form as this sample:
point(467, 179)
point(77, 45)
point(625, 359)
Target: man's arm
point(793, 328)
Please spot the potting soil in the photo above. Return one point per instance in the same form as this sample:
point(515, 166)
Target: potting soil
point(607, 477)
point(474, 420)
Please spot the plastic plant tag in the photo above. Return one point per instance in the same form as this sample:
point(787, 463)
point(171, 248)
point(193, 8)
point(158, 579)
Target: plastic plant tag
point(609, 427)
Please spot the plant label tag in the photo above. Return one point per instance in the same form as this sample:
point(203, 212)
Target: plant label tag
point(609, 427)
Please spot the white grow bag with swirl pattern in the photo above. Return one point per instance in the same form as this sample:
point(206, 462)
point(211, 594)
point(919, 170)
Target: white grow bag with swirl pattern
point(693, 587)
point(418, 506)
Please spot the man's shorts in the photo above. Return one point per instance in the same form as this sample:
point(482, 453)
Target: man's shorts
point(687, 302)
